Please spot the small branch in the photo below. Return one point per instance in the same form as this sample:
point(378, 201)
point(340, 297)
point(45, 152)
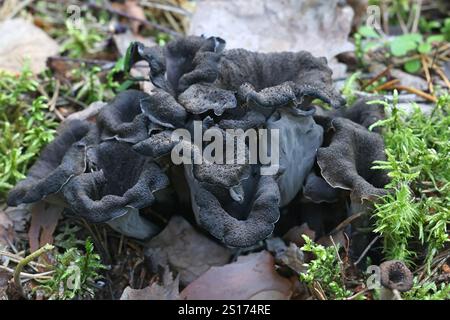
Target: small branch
point(81, 60)
point(143, 21)
point(347, 221)
point(418, 92)
point(386, 85)
point(42, 275)
point(366, 250)
point(16, 258)
point(415, 24)
point(377, 77)
point(362, 292)
point(18, 8)
point(401, 22)
point(442, 75)
point(385, 14)
point(52, 102)
point(426, 70)
point(24, 262)
point(165, 7)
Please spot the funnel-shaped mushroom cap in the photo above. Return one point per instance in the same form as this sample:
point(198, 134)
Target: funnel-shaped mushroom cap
point(63, 158)
point(395, 275)
point(346, 163)
point(122, 119)
point(203, 76)
point(122, 179)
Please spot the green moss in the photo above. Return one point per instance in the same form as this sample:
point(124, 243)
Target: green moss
point(417, 211)
point(26, 126)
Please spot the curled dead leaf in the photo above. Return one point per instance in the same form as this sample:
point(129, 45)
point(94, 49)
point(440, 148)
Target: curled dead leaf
point(250, 277)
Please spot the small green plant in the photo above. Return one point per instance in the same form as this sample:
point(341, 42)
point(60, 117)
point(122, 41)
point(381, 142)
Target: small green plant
point(81, 40)
point(75, 273)
point(26, 126)
point(428, 291)
point(445, 30)
point(403, 46)
point(324, 269)
point(350, 87)
point(366, 39)
point(417, 210)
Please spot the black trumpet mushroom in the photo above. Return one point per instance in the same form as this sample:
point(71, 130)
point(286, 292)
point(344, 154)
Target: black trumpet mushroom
point(111, 169)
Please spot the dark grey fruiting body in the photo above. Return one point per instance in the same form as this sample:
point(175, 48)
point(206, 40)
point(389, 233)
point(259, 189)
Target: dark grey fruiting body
point(103, 170)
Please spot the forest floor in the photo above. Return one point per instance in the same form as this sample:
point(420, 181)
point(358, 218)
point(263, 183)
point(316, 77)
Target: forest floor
point(403, 65)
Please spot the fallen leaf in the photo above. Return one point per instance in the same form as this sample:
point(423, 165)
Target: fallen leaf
point(4, 279)
point(295, 234)
point(21, 41)
point(44, 219)
point(318, 26)
point(12, 220)
point(6, 228)
point(185, 250)
point(133, 9)
point(293, 258)
point(250, 277)
point(339, 239)
point(168, 290)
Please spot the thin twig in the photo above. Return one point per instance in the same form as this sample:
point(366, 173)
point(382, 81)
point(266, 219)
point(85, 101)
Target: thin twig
point(367, 249)
point(16, 258)
point(442, 75)
point(52, 102)
point(426, 70)
point(386, 85)
point(42, 275)
point(378, 76)
point(415, 24)
point(82, 60)
point(347, 221)
point(358, 294)
point(18, 8)
point(401, 22)
point(418, 92)
point(385, 13)
point(165, 7)
point(130, 17)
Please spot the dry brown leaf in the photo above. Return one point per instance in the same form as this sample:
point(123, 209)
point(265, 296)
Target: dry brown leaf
point(337, 238)
point(250, 277)
point(295, 234)
point(185, 250)
point(133, 9)
point(6, 229)
point(4, 279)
point(20, 41)
point(293, 258)
point(168, 290)
point(318, 26)
point(44, 219)
point(12, 220)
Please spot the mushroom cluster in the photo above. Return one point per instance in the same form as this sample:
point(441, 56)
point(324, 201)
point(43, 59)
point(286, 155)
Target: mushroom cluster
point(110, 169)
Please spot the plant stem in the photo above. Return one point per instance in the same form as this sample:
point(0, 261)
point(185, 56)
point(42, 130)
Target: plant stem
point(24, 262)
